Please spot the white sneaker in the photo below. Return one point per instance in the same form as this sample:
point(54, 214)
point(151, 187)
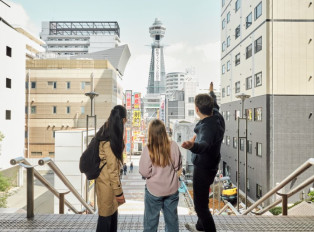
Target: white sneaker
point(191, 227)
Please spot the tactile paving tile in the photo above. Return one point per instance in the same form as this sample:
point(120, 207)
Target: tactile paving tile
point(134, 223)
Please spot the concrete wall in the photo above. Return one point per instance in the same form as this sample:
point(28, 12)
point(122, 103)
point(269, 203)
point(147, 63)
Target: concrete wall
point(12, 99)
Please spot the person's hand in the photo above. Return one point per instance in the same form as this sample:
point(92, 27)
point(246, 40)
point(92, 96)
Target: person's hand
point(120, 199)
point(211, 87)
point(189, 144)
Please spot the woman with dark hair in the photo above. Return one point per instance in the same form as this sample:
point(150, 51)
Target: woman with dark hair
point(160, 161)
point(108, 185)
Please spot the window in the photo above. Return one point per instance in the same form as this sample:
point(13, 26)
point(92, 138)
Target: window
point(53, 84)
point(33, 109)
point(54, 109)
point(82, 109)
point(36, 153)
point(223, 2)
point(228, 140)
point(258, 191)
point(84, 84)
point(26, 110)
point(68, 109)
point(26, 134)
point(223, 114)
point(258, 45)
point(223, 140)
point(8, 115)
point(51, 153)
point(237, 32)
point(258, 149)
point(9, 51)
point(26, 85)
point(228, 17)
point(248, 83)
point(191, 112)
point(237, 59)
point(223, 46)
point(258, 79)
point(237, 5)
point(228, 115)
point(242, 144)
point(178, 137)
point(228, 65)
point(248, 20)
point(237, 87)
point(228, 90)
point(235, 142)
point(228, 41)
point(223, 92)
point(237, 114)
point(249, 114)
point(68, 85)
point(249, 146)
point(223, 23)
point(248, 184)
point(53, 134)
point(8, 83)
point(191, 99)
point(258, 114)
point(258, 11)
point(33, 84)
point(223, 69)
point(248, 52)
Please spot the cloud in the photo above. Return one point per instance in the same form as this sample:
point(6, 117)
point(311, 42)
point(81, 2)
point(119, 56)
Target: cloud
point(203, 58)
point(18, 16)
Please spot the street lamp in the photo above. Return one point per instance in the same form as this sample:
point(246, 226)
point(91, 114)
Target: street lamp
point(242, 97)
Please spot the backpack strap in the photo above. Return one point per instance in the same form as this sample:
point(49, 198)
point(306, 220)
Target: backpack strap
point(103, 166)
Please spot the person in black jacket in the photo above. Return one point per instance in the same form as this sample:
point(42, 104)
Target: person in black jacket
point(205, 148)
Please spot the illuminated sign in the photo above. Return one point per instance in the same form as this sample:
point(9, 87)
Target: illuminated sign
point(128, 99)
point(157, 71)
point(137, 100)
point(162, 110)
point(136, 118)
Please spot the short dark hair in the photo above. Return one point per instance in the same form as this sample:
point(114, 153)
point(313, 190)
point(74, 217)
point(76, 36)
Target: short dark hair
point(204, 103)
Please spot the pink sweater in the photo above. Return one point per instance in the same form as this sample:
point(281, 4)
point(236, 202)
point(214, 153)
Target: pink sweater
point(161, 181)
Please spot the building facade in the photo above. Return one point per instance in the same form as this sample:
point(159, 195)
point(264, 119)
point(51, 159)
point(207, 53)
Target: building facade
point(267, 53)
point(174, 81)
point(66, 38)
point(16, 45)
point(55, 99)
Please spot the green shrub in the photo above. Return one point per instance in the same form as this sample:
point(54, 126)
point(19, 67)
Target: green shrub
point(311, 195)
point(4, 183)
point(276, 210)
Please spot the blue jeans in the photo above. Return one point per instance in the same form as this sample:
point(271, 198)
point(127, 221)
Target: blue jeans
point(168, 205)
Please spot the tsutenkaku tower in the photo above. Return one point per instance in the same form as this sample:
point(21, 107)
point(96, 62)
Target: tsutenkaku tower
point(156, 80)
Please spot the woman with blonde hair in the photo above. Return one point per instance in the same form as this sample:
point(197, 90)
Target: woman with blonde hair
point(159, 163)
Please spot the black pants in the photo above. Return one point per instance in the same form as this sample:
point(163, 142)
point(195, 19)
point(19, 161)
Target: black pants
point(202, 179)
point(108, 224)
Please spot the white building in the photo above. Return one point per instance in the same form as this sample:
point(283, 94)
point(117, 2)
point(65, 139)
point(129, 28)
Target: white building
point(190, 90)
point(16, 45)
point(77, 37)
point(174, 81)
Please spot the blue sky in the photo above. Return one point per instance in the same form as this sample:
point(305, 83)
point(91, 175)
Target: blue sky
point(192, 35)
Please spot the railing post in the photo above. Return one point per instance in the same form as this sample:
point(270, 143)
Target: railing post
point(284, 203)
point(30, 192)
point(61, 202)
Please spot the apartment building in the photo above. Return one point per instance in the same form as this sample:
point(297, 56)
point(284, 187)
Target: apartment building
point(267, 52)
point(174, 82)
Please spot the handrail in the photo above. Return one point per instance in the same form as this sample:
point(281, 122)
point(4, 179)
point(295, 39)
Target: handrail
point(290, 193)
point(54, 167)
point(22, 160)
point(230, 206)
point(297, 172)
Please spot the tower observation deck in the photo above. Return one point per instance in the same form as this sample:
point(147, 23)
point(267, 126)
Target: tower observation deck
point(156, 80)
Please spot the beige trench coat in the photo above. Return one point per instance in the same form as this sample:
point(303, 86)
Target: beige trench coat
point(108, 184)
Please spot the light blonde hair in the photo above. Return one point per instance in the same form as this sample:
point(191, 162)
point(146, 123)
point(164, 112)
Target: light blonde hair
point(158, 143)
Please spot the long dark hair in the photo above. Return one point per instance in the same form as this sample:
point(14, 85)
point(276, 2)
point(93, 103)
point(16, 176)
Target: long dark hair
point(112, 131)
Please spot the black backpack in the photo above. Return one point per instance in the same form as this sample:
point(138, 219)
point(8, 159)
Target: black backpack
point(89, 161)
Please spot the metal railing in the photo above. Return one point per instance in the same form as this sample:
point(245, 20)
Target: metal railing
point(54, 167)
point(309, 163)
point(31, 172)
